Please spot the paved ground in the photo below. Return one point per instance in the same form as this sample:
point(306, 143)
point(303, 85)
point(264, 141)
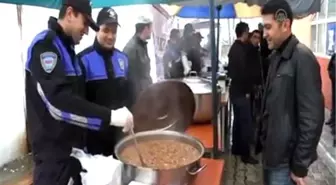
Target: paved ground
point(15, 170)
point(237, 173)
point(322, 172)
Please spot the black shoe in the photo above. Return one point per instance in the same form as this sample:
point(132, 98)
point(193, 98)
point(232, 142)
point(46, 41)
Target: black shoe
point(249, 160)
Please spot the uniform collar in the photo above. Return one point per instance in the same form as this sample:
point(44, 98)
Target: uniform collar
point(53, 25)
point(101, 50)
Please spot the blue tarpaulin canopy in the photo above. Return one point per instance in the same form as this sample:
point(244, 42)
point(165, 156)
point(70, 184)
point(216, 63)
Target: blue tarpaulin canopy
point(237, 9)
point(95, 3)
point(299, 6)
point(107, 3)
point(203, 12)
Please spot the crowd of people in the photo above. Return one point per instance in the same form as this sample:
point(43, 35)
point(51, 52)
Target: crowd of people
point(184, 53)
point(85, 100)
point(277, 97)
point(244, 69)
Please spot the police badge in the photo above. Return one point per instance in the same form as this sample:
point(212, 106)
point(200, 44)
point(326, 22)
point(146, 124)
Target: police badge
point(121, 64)
point(112, 13)
point(48, 61)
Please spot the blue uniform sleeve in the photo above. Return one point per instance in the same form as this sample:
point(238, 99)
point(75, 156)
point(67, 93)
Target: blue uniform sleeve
point(56, 90)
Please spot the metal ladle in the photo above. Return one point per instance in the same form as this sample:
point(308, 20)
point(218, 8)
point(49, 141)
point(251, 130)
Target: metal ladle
point(137, 147)
point(136, 142)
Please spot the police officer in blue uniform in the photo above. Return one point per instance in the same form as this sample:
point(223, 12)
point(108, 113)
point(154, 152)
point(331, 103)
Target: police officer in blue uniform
point(58, 114)
point(105, 70)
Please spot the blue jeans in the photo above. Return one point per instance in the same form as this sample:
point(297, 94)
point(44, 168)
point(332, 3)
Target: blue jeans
point(277, 176)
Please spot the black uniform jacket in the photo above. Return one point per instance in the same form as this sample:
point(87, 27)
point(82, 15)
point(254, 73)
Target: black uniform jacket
point(57, 113)
point(105, 72)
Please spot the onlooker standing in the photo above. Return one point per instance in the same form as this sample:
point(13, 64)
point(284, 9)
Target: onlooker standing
point(332, 76)
point(172, 58)
point(264, 52)
point(256, 71)
point(293, 105)
point(240, 95)
point(254, 61)
point(138, 58)
point(189, 45)
point(331, 70)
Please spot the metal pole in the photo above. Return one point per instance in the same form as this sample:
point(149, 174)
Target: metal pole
point(218, 8)
point(214, 66)
point(220, 129)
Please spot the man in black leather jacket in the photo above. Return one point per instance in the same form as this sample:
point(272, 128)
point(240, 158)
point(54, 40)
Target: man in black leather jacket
point(331, 71)
point(240, 92)
point(293, 104)
point(332, 76)
point(138, 58)
point(264, 51)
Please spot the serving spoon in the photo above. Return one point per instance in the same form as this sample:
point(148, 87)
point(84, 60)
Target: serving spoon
point(137, 147)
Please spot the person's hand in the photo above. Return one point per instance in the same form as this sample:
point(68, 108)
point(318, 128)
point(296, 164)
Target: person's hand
point(186, 70)
point(297, 180)
point(247, 95)
point(186, 63)
point(122, 118)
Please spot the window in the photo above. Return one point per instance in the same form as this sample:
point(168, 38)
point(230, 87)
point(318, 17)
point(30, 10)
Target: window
point(331, 37)
point(321, 38)
point(323, 29)
point(313, 40)
point(331, 8)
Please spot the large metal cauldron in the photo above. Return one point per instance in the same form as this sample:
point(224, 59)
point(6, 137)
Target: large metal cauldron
point(202, 91)
point(178, 176)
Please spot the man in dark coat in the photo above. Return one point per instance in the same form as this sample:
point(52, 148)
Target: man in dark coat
point(241, 87)
point(255, 67)
point(331, 71)
point(254, 59)
point(264, 52)
point(138, 58)
point(190, 47)
point(332, 76)
point(172, 57)
point(293, 103)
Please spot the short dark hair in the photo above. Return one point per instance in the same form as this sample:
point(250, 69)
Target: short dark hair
point(188, 29)
point(275, 6)
point(253, 32)
point(174, 33)
point(62, 11)
point(256, 31)
point(241, 28)
point(140, 27)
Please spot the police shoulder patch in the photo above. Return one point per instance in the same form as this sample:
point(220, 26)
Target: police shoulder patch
point(121, 63)
point(48, 61)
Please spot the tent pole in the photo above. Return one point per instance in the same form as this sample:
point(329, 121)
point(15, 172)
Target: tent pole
point(218, 8)
point(214, 66)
